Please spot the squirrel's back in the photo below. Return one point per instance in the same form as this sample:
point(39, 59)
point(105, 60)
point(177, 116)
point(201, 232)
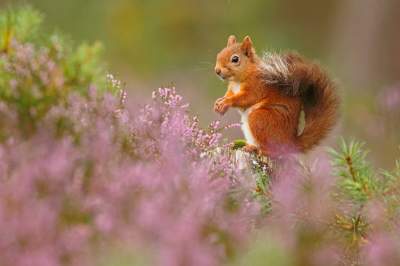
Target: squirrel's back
point(294, 76)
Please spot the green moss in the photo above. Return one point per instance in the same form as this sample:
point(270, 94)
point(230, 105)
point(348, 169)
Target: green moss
point(238, 144)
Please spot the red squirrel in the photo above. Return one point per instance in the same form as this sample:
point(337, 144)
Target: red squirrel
point(271, 92)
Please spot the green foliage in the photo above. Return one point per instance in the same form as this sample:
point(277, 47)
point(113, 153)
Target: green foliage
point(265, 250)
point(84, 67)
point(21, 24)
point(262, 169)
point(359, 186)
point(39, 70)
point(356, 179)
point(120, 255)
point(238, 144)
point(389, 190)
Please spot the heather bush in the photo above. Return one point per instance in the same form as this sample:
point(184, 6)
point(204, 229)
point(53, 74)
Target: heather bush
point(86, 179)
point(39, 70)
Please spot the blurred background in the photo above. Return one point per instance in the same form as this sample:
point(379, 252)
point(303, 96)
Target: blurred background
point(153, 43)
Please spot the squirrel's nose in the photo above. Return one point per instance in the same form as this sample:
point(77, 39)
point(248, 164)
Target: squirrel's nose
point(217, 70)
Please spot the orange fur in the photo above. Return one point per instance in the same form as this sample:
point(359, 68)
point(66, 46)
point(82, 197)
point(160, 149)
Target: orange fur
point(271, 97)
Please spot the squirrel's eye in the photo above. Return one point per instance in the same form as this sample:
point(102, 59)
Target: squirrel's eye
point(235, 59)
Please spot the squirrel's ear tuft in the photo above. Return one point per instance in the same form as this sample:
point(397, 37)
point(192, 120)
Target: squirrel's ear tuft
point(247, 46)
point(231, 40)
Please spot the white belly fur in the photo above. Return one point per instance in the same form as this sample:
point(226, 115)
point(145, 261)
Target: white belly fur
point(246, 128)
point(244, 119)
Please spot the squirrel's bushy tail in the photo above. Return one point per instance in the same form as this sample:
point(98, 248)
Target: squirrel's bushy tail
point(318, 92)
point(320, 101)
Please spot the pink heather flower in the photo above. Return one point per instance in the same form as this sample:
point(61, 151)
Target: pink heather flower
point(389, 98)
point(303, 211)
point(328, 255)
point(171, 194)
point(104, 222)
point(382, 249)
point(376, 214)
point(98, 172)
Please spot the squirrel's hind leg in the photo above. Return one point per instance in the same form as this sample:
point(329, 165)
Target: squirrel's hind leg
point(272, 131)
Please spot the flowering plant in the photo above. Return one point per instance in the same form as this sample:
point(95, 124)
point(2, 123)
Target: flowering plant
point(86, 179)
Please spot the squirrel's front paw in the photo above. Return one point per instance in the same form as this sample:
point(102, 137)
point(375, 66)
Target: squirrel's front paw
point(221, 106)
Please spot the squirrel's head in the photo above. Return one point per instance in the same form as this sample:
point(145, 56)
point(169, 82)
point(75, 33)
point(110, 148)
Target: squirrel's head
point(235, 59)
